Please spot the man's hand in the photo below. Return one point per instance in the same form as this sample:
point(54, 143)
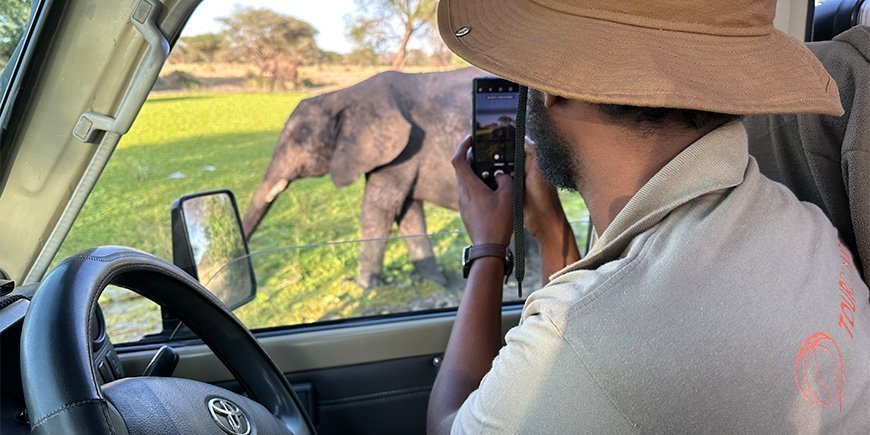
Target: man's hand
point(543, 212)
point(545, 219)
point(476, 336)
point(487, 214)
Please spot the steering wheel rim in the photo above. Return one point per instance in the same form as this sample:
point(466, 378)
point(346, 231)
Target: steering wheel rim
point(61, 390)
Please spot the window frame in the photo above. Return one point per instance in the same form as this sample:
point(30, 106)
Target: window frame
point(155, 341)
point(20, 64)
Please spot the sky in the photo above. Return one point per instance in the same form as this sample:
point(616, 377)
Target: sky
point(327, 16)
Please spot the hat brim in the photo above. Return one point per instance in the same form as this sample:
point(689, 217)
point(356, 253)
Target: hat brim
point(607, 62)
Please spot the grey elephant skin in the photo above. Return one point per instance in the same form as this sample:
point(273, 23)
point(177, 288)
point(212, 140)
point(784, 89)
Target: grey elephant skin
point(399, 131)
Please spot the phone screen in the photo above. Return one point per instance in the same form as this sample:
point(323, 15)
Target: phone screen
point(494, 127)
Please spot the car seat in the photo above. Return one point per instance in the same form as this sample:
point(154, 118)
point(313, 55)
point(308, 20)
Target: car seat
point(825, 159)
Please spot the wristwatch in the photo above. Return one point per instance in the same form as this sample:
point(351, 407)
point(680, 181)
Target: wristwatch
point(473, 252)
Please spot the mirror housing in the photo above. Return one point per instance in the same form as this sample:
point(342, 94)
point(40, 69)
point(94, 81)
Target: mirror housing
point(208, 243)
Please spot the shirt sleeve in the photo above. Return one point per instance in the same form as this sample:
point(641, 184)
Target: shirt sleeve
point(538, 384)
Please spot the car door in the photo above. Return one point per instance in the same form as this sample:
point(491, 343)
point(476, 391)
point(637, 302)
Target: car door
point(364, 371)
point(91, 74)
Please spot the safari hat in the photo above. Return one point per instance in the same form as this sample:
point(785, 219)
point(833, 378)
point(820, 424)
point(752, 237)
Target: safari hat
point(713, 55)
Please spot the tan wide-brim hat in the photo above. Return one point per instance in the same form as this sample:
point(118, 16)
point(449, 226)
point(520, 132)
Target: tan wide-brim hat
point(712, 55)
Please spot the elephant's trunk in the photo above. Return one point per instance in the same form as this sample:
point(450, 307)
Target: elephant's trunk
point(263, 198)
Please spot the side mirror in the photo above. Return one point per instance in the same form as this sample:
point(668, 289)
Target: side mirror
point(208, 243)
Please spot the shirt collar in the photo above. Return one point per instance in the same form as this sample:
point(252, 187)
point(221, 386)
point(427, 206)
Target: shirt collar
point(716, 161)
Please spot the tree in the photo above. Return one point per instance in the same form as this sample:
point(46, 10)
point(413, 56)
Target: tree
point(390, 20)
point(203, 48)
point(13, 20)
point(277, 44)
point(361, 57)
point(326, 57)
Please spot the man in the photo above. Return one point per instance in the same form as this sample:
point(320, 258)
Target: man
point(713, 300)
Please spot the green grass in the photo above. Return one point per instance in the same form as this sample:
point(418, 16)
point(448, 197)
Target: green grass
point(235, 134)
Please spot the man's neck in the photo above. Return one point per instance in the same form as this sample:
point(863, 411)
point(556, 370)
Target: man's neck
point(617, 162)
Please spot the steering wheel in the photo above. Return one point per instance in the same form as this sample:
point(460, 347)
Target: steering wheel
point(59, 376)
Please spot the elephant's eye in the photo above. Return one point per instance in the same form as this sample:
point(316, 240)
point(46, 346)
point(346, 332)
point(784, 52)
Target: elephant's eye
point(301, 132)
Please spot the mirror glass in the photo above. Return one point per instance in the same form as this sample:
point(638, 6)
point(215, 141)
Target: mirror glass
point(217, 247)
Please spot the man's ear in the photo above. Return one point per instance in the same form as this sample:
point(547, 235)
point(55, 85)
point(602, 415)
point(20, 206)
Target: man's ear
point(550, 100)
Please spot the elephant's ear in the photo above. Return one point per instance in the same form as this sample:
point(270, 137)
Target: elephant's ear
point(370, 134)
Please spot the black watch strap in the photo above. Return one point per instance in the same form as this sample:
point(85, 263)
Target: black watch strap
point(473, 252)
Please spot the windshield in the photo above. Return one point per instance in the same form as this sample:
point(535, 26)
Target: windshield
point(275, 104)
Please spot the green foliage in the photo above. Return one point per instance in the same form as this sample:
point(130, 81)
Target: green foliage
point(387, 26)
point(362, 57)
point(178, 80)
point(201, 48)
point(326, 57)
point(260, 36)
point(14, 15)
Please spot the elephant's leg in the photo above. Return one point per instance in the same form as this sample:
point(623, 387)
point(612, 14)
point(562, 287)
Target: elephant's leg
point(412, 225)
point(384, 196)
point(375, 225)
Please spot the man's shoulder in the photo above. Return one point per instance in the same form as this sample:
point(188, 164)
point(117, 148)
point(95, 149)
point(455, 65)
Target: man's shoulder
point(577, 288)
point(713, 304)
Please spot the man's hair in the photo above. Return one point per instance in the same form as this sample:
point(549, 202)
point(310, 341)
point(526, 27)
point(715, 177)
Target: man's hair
point(654, 117)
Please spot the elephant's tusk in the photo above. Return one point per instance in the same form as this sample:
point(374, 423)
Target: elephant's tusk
point(276, 189)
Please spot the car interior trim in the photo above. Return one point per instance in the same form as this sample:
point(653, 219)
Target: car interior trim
point(321, 349)
point(178, 13)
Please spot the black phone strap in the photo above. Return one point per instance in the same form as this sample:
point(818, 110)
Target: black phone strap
point(519, 190)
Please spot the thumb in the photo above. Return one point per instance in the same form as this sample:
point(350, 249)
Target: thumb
point(503, 181)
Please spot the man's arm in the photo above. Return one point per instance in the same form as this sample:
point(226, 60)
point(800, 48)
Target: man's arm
point(558, 249)
point(474, 343)
point(476, 336)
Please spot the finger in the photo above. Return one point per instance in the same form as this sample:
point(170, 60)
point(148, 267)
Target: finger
point(462, 150)
point(530, 142)
point(531, 154)
point(465, 176)
point(503, 181)
point(462, 161)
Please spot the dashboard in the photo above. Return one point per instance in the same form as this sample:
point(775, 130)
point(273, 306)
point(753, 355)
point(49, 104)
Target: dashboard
point(13, 307)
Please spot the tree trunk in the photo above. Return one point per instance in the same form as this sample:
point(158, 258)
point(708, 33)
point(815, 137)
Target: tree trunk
point(399, 60)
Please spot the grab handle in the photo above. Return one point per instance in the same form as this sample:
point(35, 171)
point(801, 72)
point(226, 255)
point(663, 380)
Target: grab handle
point(144, 19)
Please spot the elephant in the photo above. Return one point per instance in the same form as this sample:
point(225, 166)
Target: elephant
point(399, 131)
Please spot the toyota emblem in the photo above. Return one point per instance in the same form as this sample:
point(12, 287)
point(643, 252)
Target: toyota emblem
point(229, 416)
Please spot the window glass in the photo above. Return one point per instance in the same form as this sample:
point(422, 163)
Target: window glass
point(213, 121)
point(129, 317)
point(14, 18)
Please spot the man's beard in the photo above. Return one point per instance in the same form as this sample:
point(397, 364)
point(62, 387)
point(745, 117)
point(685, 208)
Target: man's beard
point(553, 150)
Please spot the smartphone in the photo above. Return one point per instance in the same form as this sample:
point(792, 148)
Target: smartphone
point(494, 107)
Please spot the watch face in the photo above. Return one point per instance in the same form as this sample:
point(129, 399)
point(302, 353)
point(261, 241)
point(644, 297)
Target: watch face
point(466, 266)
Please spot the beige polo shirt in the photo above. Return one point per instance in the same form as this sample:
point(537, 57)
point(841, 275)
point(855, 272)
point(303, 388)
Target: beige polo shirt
point(715, 302)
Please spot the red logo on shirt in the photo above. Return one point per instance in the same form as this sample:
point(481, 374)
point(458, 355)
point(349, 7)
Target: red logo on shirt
point(819, 363)
point(819, 367)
